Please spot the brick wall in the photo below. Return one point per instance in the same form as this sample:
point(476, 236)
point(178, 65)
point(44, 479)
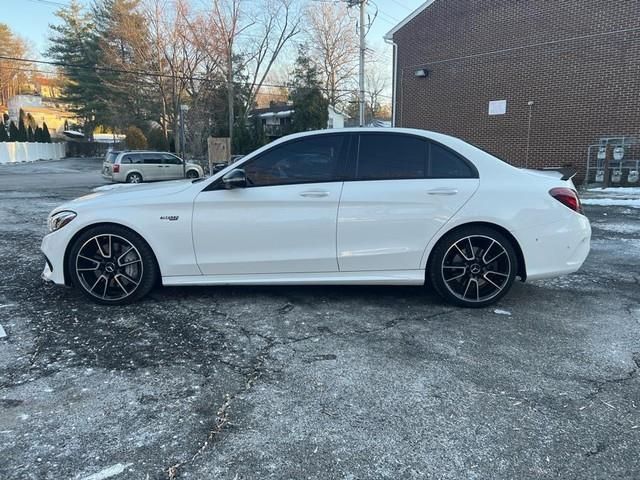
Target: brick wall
point(560, 54)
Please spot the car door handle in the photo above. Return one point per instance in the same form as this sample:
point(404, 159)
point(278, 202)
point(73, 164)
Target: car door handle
point(314, 194)
point(442, 191)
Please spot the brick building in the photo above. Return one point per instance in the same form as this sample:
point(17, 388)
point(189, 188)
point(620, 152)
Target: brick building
point(534, 82)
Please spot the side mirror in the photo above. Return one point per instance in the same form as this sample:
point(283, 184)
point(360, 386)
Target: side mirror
point(235, 179)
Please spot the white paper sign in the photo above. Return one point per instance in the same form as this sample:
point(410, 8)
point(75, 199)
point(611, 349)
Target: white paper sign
point(497, 107)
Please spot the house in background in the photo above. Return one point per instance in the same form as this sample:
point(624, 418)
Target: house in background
point(534, 82)
point(275, 120)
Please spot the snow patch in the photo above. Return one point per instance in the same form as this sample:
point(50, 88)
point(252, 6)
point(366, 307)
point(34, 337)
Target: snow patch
point(618, 227)
point(617, 190)
point(612, 202)
point(502, 312)
point(111, 471)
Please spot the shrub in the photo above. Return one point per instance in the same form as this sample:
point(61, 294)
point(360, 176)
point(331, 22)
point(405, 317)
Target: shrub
point(135, 139)
point(157, 140)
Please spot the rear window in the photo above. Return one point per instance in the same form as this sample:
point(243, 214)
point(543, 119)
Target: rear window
point(111, 157)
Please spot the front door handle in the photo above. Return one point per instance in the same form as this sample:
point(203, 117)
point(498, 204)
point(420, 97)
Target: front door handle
point(314, 194)
point(442, 191)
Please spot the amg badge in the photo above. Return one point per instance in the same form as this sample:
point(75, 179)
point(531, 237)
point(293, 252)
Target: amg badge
point(171, 218)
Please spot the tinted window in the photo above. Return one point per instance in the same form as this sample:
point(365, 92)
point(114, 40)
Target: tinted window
point(313, 159)
point(171, 160)
point(389, 156)
point(443, 163)
point(152, 158)
point(131, 158)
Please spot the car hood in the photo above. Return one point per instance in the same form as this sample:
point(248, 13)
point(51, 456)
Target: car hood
point(125, 192)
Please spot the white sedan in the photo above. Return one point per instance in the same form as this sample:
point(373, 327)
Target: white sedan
point(354, 206)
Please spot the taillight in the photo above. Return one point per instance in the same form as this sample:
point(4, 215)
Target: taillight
point(568, 197)
point(116, 168)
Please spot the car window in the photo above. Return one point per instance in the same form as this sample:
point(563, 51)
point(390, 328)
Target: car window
point(309, 160)
point(151, 158)
point(169, 159)
point(443, 163)
point(391, 156)
point(131, 158)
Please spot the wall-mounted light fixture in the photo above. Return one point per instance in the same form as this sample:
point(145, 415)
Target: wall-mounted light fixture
point(422, 73)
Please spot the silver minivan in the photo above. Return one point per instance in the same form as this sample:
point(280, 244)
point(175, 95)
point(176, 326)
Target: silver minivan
point(136, 166)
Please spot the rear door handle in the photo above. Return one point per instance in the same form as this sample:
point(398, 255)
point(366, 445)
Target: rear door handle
point(314, 194)
point(442, 191)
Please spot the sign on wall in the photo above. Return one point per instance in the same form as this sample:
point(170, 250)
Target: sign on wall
point(497, 107)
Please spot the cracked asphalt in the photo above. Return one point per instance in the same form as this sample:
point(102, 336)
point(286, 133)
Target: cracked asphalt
point(314, 382)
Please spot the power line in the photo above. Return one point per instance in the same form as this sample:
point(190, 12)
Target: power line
point(50, 3)
point(140, 73)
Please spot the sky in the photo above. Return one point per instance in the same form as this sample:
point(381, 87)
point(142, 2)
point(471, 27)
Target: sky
point(30, 19)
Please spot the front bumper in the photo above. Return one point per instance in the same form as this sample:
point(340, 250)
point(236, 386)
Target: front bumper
point(53, 247)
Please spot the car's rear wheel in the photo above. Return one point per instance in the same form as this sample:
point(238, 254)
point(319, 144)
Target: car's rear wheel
point(112, 265)
point(192, 174)
point(473, 266)
point(134, 178)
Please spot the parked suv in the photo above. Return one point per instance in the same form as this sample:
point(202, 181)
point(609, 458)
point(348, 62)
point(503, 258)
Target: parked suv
point(146, 166)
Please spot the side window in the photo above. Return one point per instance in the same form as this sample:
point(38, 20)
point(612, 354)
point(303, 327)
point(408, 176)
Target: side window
point(126, 159)
point(309, 160)
point(169, 159)
point(391, 156)
point(443, 163)
point(152, 158)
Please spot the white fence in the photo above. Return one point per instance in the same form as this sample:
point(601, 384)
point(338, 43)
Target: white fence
point(11, 152)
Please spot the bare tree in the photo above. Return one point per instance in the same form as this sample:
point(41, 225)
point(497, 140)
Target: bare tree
point(12, 74)
point(173, 57)
point(274, 28)
point(334, 46)
point(375, 84)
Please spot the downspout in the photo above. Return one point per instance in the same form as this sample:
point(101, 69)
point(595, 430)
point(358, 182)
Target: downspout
point(394, 82)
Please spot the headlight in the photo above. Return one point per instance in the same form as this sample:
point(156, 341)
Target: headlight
point(60, 219)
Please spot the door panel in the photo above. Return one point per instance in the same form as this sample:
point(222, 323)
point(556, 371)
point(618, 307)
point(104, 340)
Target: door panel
point(386, 225)
point(271, 229)
point(173, 168)
point(152, 168)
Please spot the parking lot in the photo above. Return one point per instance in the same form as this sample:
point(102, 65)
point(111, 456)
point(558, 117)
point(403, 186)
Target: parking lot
point(314, 382)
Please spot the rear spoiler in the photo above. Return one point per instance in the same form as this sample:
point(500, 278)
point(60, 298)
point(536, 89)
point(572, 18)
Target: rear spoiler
point(568, 173)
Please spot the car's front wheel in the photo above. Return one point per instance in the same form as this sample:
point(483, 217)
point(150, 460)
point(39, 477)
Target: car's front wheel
point(473, 266)
point(112, 265)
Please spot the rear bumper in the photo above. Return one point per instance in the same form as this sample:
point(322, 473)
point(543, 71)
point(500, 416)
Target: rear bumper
point(556, 249)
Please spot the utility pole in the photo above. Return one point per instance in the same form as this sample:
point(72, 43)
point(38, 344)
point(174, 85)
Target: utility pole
point(363, 4)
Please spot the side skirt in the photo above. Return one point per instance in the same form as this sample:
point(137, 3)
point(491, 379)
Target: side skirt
point(387, 277)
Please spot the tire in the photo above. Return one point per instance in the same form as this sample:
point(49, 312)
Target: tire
point(473, 266)
point(192, 174)
point(112, 265)
point(134, 178)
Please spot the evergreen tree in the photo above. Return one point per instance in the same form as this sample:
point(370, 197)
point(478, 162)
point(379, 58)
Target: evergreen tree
point(22, 130)
point(122, 39)
point(311, 108)
point(37, 135)
point(30, 135)
point(46, 136)
point(3, 132)
point(74, 42)
point(13, 132)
